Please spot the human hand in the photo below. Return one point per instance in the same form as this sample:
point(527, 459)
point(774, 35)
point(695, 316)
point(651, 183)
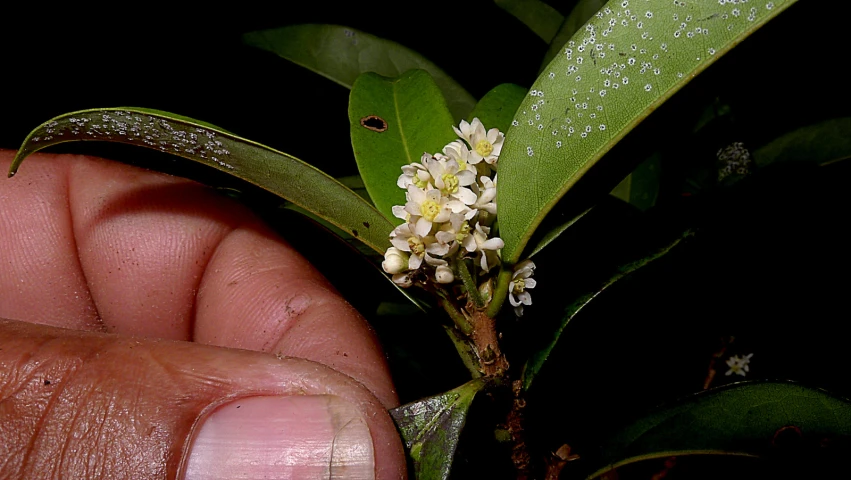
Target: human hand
point(153, 325)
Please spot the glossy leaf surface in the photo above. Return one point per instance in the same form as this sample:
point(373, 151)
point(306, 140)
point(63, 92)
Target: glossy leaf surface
point(430, 428)
point(497, 107)
point(393, 122)
point(341, 54)
point(738, 419)
point(625, 62)
point(276, 172)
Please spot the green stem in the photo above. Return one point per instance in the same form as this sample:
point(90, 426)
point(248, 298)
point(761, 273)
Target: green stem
point(465, 351)
point(459, 319)
point(500, 291)
point(469, 282)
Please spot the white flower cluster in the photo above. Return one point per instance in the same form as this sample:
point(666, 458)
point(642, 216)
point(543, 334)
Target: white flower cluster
point(451, 205)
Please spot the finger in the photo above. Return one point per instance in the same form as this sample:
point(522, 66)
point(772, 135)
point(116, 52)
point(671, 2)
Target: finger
point(88, 404)
point(147, 243)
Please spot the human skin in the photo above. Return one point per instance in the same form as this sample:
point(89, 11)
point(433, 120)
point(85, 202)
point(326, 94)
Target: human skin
point(139, 303)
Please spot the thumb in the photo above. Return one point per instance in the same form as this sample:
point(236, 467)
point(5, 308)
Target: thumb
point(91, 405)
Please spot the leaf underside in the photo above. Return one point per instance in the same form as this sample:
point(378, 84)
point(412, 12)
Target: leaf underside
point(393, 122)
point(341, 54)
point(738, 419)
point(537, 359)
point(626, 61)
point(276, 172)
point(430, 428)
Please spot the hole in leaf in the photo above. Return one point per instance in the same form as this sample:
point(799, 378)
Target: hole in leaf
point(366, 224)
point(374, 123)
point(355, 232)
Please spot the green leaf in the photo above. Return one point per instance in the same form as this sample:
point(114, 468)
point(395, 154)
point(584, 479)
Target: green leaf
point(738, 419)
point(341, 54)
point(822, 143)
point(497, 107)
point(581, 13)
point(541, 18)
point(277, 172)
point(430, 428)
point(542, 157)
point(641, 187)
point(542, 352)
point(393, 122)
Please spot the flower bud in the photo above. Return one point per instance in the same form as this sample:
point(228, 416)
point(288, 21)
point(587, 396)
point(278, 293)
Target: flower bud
point(403, 280)
point(443, 274)
point(395, 261)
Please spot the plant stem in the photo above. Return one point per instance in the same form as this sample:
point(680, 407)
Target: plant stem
point(469, 282)
point(465, 351)
point(500, 291)
point(458, 318)
point(486, 341)
point(520, 456)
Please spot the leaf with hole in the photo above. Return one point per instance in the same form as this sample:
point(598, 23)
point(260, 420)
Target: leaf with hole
point(546, 343)
point(430, 428)
point(541, 18)
point(341, 54)
point(747, 418)
point(393, 122)
point(497, 107)
point(611, 75)
point(276, 172)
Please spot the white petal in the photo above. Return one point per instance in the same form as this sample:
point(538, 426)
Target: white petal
point(469, 243)
point(434, 262)
point(493, 244)
point(443, 216)
point(525, 298)
point(465, 195)
point(416, 195)
point(401, 243)
point(437, 249)
point(400, 212)
point(423, 227)
point(445, 237)
point(465, 178)
point(414, 262)
point(404, 180)
point(530, 283)
point(511, 298)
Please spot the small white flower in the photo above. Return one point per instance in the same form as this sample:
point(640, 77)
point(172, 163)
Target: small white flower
point(738, 365)
point(406, 239)
point(459, 152)
point(456, 232)
point(484, 145)
point(451, 180)
point(487, 247)
point(485, 195)
point(395, 261)
point(520, 282)
point(415, 174)
point(429, 206)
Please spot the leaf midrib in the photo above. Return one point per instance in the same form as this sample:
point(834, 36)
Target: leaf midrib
point(399, 122)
